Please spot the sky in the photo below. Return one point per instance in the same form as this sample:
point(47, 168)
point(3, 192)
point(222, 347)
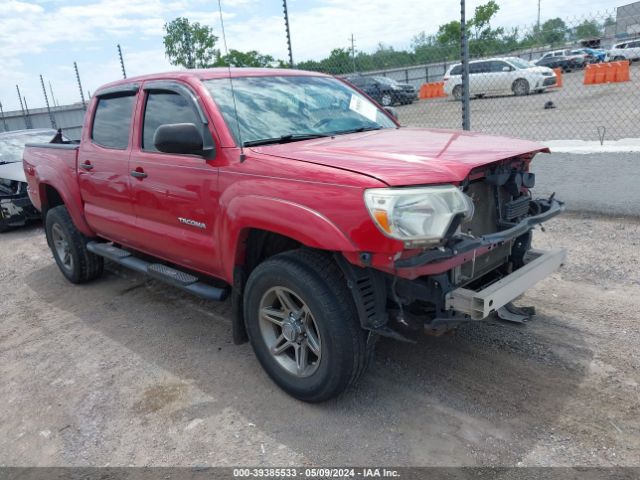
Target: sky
point(47, 36)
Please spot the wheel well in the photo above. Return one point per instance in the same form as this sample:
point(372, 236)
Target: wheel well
point(255, 247)
point(262, 244)
point(50, 199)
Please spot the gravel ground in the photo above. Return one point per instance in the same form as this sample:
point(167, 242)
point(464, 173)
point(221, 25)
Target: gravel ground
point(125, 371)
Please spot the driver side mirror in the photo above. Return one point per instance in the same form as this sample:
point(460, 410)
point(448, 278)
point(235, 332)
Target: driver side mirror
point(392, 111)
point(181, 138)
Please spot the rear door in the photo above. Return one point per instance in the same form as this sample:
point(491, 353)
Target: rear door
point(479, 81)
point(175, 196)
point(103, 170)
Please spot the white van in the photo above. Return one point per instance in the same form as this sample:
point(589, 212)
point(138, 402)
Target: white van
point(498, 76)
point(629, 50)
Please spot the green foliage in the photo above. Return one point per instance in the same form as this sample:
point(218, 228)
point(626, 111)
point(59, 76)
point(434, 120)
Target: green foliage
point(189, 45)
point(587, 29)
point(252, 58)
point(192, 45)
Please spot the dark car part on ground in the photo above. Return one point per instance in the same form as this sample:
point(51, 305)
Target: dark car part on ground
point(15, 207)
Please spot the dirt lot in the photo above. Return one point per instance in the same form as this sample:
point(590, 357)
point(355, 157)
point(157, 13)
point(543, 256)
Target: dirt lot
point(580, 110)
point(125, 371)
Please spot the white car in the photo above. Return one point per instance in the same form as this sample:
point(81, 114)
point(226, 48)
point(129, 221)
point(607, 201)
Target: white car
point(629, 50)
point(497, 76)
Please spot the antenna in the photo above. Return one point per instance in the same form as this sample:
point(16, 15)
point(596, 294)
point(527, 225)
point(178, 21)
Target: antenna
point(233, 93)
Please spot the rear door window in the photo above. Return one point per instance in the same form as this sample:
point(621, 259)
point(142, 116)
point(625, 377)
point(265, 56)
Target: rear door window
point(112, 121)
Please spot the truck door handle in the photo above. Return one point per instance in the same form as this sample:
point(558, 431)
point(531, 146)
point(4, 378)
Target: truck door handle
point(138, 174)
point(86, 165)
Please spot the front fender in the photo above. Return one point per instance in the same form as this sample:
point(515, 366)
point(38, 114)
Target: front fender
point(292, 220)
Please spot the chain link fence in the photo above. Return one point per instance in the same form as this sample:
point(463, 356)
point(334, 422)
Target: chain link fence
point(576, 78)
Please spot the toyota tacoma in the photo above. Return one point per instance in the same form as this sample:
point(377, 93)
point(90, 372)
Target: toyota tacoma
point(327, 223)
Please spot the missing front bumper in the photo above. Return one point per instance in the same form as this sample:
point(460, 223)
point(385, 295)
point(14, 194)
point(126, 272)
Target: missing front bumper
point(480, 304)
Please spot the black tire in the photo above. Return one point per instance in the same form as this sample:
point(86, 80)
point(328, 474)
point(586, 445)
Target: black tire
point(618, 58)
point(83, 265)
point(457, 93)
point(346, 349)
point(386, 99)
point(520, 87)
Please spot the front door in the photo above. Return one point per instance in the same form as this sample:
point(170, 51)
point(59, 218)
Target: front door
point(175, 196)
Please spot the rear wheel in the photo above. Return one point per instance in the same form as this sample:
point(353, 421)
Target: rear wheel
point(520, 87)
point(303, 326)
point(69, 247)
point(457, 92)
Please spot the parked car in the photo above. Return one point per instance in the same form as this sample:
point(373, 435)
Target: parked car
point(327, 222)
point(629, 50)
point(565, 63)
point(578, 60)
point(593, 55)
point(499, 76)
point(384, 90)
point(15, 207)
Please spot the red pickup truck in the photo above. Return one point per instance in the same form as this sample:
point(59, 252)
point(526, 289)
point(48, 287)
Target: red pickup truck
point(328, 223)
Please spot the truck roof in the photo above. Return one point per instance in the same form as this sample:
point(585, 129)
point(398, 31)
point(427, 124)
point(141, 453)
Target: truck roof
point(210, 73)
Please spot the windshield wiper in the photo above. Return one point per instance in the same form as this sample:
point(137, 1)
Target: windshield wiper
point(291, 137)
point(357, 130)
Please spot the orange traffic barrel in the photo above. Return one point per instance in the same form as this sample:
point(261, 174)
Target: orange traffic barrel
point(558, 72)
point(601, 73)
point(610, 72)
point(622, 72)
point(590, 74)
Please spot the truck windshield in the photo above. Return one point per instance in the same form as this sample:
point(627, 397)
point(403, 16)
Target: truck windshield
point(290, 108)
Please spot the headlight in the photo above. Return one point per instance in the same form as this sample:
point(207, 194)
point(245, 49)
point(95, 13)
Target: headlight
point(417, 215)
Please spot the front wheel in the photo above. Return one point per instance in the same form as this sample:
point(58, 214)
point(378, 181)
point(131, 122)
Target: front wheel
point(69, 247)
point(520, 87)
point(303, 326)
point(386, 100)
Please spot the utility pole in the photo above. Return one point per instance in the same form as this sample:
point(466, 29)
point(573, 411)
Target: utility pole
point(75, 67)
point(353, 52)
point(286, 25)
point(24, 115)
point(53, 98)
point(26, 109)
point(46, 101)
point(464, 53)
point(538, 22)
point(4, 122)
point(124, 72)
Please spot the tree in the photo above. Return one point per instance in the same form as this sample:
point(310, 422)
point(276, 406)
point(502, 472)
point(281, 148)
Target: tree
point(587, 29)
point(552, 32)
point(252, 58)
point(190, 45)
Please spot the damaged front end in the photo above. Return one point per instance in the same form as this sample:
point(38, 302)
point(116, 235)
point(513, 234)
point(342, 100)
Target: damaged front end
point(479, 269)
point(16, 208)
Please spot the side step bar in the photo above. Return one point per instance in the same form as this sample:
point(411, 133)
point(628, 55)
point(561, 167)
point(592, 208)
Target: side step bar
point(177, 278)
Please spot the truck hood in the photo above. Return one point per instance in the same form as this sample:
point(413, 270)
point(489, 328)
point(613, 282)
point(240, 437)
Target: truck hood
point(406, 156)
point(13, 171)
